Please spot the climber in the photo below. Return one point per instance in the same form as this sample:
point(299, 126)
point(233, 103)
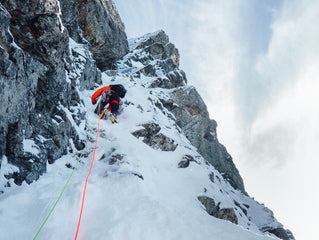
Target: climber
point(109, 95)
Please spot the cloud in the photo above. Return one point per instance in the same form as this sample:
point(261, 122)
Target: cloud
point(293, 44)
point(282, 144)
point(290, 69)
point(290, 121)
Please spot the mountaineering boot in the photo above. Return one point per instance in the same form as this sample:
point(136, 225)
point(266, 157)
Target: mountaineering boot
point(113, 118)
point(104, 114)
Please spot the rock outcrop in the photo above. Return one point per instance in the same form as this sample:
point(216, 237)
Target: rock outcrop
point(192, 116)
point(216, 211)
point(151, 136)
point(160, 60)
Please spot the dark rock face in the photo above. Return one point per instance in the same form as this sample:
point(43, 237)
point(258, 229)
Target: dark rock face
point(215, 210)
point(99, 23)
point(192, 117)
point(154, 139)
point(35, 92)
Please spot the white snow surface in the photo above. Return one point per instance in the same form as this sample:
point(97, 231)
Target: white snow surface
point(30, 146)
point(119, 205)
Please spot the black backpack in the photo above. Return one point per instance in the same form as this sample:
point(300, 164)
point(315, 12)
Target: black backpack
point(119, 89)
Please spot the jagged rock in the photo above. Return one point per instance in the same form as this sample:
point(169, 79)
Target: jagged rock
point(214, 210)
point(186, 160)
point(114, 158)
point(159, 47)
point(192, 117)
point(160, 59)
point(150, 129)
point(154, 139)
point(100, 25)
point(148, 70)
point(173, 79)
point(280, 233)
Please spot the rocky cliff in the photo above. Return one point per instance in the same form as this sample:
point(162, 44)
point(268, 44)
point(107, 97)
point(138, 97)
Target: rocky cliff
point(51, 50)
point(39, 76)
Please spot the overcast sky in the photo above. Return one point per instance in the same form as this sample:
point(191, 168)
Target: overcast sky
point(256, 65)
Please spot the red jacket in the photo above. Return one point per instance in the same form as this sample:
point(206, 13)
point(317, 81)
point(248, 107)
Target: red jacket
point(99, 93)
point(113, 100)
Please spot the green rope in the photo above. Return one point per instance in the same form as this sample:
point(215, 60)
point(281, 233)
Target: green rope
point(65, 186)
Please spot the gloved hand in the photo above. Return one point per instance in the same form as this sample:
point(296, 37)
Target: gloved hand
point(113, 118)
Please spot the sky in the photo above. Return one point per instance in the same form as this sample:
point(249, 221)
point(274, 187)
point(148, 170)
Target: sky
point(256, 65)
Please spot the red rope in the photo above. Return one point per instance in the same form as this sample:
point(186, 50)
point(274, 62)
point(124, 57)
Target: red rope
point(86, 181)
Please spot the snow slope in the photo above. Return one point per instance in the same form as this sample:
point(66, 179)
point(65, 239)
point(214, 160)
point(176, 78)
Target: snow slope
point(141, 195)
